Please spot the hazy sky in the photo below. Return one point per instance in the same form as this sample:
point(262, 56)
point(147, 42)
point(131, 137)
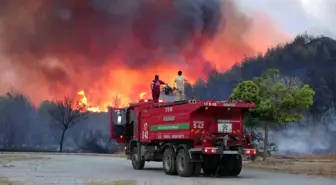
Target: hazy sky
point(297, 16)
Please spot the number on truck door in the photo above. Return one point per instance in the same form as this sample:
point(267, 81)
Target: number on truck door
point(169, 109)
point(144, 133)
point(198, 124)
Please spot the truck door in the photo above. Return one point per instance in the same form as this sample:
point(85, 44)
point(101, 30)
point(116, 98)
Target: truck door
point(117, 124)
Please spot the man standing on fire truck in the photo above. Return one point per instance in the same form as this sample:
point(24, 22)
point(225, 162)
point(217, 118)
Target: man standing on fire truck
point(179, 84)
point(155, 86)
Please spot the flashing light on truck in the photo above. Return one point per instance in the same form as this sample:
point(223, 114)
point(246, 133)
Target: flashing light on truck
point(149, 100)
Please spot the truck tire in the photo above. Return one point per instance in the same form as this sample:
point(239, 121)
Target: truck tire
point(137, 162)
point(184, 167)
point(197, 169)
point(208, 165)
point(208, 171)
point(168, 161)
point(237, 165)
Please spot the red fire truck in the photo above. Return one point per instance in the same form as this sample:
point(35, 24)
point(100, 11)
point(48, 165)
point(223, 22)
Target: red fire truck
point(186, 136)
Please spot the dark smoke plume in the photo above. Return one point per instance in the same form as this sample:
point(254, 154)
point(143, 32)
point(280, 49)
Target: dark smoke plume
point(100, 29)
point(81, 33)
point(68, 44)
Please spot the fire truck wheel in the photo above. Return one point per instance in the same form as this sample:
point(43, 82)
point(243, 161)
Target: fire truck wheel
point(197, 169)
point(209, 165)
point(168, 161)
point(137, 163)
point(184, 167)
point(208, 171)
point(237, 165)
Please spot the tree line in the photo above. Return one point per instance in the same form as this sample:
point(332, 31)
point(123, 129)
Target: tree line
point(23, 127)
point(309, 59)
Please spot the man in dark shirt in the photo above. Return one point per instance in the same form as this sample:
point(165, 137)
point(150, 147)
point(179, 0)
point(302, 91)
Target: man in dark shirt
point(155, 86)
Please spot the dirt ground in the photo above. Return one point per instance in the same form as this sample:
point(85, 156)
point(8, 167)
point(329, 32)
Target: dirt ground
point(7, 158)
point(316, 165)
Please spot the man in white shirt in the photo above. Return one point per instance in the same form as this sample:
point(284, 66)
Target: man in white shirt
point(179, 84)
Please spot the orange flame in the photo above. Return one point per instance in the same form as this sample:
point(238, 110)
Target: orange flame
point(84, 103)
point(142, 95)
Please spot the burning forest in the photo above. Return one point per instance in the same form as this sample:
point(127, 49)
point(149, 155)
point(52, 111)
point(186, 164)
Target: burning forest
point(108, 51)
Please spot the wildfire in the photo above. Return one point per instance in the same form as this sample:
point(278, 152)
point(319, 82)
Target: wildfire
point(84, 103)
point(116, 60)
point(142, 95)
point(116, 102)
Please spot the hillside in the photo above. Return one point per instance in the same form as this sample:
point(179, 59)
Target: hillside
point(312, 59)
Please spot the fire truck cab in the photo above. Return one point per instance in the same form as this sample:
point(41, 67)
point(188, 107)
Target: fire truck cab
point(186, 136)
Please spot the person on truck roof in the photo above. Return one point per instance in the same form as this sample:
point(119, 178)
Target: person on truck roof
point(155, 86)
point(179, 84)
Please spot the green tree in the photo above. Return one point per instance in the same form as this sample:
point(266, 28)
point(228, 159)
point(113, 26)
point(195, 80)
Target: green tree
point(277, 102)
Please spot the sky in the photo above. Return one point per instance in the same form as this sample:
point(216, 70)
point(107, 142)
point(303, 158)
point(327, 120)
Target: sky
point(297, 16)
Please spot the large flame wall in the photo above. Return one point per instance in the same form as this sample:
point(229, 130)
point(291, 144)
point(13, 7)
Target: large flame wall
point(110, 48)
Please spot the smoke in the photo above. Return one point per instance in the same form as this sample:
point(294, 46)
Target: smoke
point(309, 136)
point(312, 139)
point(56, 47)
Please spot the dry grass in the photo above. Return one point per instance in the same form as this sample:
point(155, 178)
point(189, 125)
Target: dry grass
point(328, 157)
point(118, 182)
point(319, 165)
point(5, 181)
point(7, 158)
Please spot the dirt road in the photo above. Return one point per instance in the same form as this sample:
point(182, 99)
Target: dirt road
point(72, 169)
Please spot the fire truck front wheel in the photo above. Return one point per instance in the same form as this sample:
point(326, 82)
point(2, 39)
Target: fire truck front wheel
point(168, 161)
point(137, 162)
point(184, 166)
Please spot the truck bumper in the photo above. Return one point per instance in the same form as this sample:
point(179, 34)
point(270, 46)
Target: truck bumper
point(216, 150)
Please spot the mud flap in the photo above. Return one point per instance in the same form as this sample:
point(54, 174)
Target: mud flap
point(139, 150)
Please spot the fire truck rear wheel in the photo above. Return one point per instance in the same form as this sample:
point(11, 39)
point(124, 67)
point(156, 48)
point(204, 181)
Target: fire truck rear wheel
point(231, 166)
point(197, 169)
point(137, 162)
point(237, 165)
point(168, 161)
point(184, 167)
point(208, 170)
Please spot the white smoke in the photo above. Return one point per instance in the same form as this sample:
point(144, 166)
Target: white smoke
point(301, 141)
point(307, 137)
